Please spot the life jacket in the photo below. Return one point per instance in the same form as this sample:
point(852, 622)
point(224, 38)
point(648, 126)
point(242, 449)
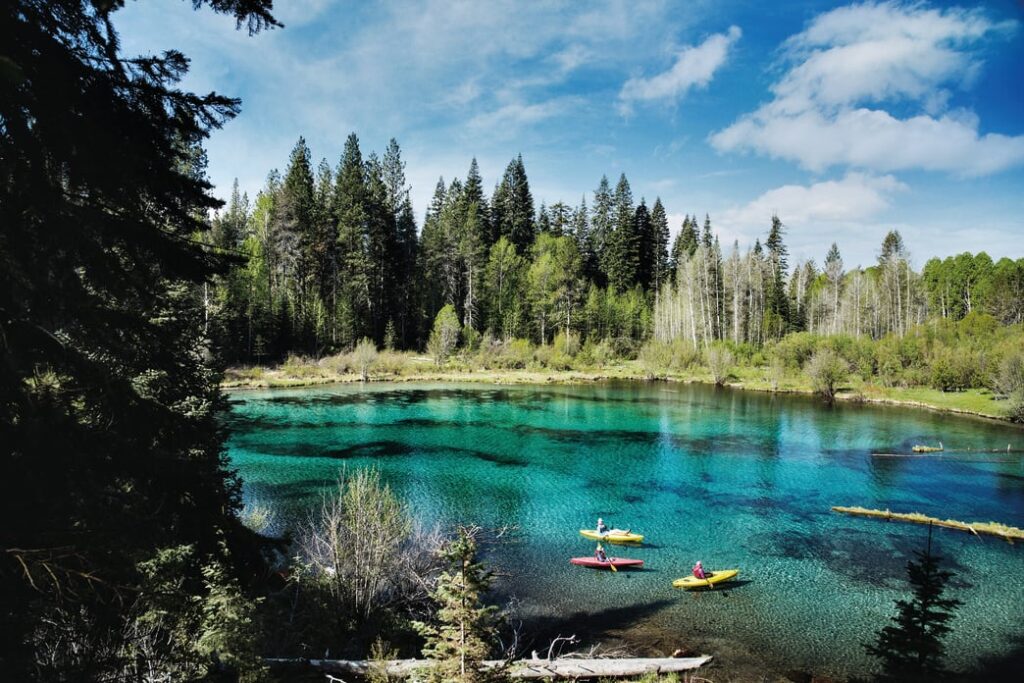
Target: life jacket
point(698, 571)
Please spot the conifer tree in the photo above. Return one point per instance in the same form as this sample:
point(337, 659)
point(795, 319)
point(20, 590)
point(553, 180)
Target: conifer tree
point(585, 241)
point(778, 309)
point(458, 643)
point(543, 219)
point(561, 220)
point(513, 206)
point(406, 248)
point(911, 649)
point(601, 229)
point(432, 255)
point(659, 246)
point(104, 378)
point(352, 211)
point(645, 245)
point(381, 248)
point(623, 259)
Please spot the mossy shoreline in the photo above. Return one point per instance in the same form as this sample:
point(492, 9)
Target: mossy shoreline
point(972, 403)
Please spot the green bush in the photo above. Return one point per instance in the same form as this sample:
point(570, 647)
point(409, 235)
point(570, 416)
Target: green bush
point(796, 349)
point(826, 369)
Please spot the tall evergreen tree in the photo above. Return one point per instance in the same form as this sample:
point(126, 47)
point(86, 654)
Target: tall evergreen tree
point(659, 246)
point(381, 248)
point(351, 207)
point(513, 206)
point(778, 309)
point(561, 220)
point(107, 406)
point(406, 245)
point(432, 256)
point(623, 260)
point(602, 221)
point(644, 228)
point(585, 241)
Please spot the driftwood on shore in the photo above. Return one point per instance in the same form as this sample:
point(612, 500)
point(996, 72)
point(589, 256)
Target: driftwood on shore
point(1007, 533)
point(564, 668)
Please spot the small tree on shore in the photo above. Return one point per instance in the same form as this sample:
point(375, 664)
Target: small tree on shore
point(458, 643)
point(911, 649)
point(826, 370)
point(720, 362)
point(445, 334)
point(365, 357)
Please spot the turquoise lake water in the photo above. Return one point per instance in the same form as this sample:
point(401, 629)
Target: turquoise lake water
point(737, 479)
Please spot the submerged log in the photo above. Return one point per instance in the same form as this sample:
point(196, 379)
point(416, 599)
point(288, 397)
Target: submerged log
point(534, 669)
point(1008, 533)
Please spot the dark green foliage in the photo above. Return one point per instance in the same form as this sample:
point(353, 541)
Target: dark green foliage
point(459, 640)
point(107, 404)
point(622, 258)
point(911, 649)
point(777, 315)
point(659, 257)
point(513, 206)
point(644, 227)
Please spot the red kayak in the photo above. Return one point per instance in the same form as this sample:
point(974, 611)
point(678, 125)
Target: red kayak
point(617, 562)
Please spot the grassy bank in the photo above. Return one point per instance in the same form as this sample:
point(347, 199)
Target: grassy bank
point(389, 366)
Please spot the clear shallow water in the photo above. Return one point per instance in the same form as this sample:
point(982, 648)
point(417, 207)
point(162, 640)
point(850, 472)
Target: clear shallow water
point(738, 479)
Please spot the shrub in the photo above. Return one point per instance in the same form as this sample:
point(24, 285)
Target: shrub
point(720, 362)
point(826, 370)
point(364, 358)
point(796, 349)
point(656, 358)
point(601, 352)
point(566, 344)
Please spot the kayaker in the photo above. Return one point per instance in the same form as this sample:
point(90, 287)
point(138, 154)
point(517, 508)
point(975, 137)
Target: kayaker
point(602, 528)
point(600, 554)
point(698, 571)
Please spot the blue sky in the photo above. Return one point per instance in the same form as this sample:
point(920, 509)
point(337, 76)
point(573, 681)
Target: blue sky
point(846, 119)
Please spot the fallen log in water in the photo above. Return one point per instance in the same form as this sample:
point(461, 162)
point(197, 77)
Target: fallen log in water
point(942, 458)
point(1008, 533)
point(562, 668)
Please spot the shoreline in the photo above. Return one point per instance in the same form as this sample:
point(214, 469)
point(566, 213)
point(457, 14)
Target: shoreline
point(276, 378)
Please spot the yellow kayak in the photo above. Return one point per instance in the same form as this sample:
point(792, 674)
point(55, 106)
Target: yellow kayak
point(610, 537)
point(721, 575)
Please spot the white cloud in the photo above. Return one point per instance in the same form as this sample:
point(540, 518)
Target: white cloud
point(695, 66)
point(870, 54)
point(508, 119)
point(829, 207)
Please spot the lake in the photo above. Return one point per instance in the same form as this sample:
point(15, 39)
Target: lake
point(736, 479)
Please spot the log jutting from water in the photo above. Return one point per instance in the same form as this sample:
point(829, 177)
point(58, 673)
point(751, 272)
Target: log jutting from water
point(562, 668)
point(941, 458)
point(1008, 533)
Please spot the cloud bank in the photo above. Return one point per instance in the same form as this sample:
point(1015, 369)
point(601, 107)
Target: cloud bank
point(848, 62)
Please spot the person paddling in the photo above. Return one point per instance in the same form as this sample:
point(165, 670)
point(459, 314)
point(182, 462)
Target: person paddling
point(600, 554)
point(700, 573)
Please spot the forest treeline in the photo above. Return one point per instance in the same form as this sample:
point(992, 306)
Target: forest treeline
point(325, 258)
